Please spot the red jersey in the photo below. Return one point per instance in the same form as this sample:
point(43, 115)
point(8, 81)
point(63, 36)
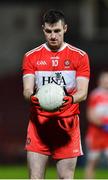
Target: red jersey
point(62, 67)
point(96, 137)
point(99, 101)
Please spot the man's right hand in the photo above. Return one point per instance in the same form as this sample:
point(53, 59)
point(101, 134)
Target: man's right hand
point(34, 100)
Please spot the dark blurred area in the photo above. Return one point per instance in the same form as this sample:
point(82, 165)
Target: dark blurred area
point(20, 31)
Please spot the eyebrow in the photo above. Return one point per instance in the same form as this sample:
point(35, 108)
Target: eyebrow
point(55, 30)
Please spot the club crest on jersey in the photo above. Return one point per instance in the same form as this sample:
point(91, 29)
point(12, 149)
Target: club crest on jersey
point(41, 63)
point(67, 63)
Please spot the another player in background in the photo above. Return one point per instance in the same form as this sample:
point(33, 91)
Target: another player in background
point(55, 134)
point(97, 133)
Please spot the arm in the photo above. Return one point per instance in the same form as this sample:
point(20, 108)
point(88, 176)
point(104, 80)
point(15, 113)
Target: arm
point(28, 86)
point(82, 78)
point(80, 95)
point(82, 90)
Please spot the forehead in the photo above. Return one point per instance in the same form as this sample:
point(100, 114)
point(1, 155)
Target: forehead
point(58, 24)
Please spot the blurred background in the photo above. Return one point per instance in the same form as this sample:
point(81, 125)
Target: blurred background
point(20, 31)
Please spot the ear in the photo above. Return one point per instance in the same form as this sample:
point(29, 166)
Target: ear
point(65, 27)
point(43, 28)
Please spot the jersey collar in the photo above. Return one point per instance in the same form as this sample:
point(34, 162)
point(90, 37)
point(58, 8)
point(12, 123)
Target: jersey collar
point(62, 48)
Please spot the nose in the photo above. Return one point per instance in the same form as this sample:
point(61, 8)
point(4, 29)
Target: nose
point(52, 35)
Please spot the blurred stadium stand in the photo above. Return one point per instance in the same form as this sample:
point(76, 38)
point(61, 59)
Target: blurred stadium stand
point(20, 31)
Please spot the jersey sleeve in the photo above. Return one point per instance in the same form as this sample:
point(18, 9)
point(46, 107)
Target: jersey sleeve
point(27, 66)
point(83, 67)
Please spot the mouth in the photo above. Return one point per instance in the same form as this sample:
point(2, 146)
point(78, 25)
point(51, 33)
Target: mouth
point(53, 40)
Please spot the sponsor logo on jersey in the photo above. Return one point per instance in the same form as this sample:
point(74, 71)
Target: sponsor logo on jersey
point(58, 78)
point(67, 63)
point(41, 63)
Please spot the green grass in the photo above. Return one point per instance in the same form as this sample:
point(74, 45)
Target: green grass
point(20, 172)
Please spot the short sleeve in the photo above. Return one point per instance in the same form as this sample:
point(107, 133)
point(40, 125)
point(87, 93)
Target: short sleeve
point(27, 66)
point(83, 67)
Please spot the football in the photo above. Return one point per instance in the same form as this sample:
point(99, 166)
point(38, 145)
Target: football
point(50, 96)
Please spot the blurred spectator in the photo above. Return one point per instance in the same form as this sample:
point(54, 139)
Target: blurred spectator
point(97, 133)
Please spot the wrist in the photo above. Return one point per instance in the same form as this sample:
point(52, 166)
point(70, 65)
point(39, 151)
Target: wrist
point(72, 99)
point(27, 94)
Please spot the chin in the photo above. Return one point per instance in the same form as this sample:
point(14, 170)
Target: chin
point(54, 46)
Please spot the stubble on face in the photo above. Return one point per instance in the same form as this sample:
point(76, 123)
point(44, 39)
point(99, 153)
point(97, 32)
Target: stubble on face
point(54, 34)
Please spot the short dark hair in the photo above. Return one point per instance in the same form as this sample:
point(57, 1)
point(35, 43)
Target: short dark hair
point(53, 16)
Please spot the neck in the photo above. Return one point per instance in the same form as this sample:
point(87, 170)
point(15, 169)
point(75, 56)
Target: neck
point(56, 48)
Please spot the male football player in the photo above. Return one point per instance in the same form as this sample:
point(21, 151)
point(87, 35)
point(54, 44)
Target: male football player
point(56, 133)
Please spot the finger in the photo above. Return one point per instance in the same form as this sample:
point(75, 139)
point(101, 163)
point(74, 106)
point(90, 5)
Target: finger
point(66, 98)
point(34, 100)
point(66, 103)
point(38, 107)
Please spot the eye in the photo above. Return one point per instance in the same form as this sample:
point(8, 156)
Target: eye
point(47, 31)
point(57, 30)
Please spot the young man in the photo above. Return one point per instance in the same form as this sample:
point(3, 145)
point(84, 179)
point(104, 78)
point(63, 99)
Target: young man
point(97, 133)
point(57, 133)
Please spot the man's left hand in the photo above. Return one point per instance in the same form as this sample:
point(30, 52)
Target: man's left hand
point(68, 100)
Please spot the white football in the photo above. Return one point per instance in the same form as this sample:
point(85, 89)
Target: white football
point(50, 96)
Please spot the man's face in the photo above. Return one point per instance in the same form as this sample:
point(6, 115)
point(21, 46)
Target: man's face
point(54, 34)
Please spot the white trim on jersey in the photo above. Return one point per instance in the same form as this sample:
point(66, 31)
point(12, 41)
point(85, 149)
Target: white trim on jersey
point(63, 47)
point(35, 49)
point(73, 48)
point(82, 77)
point(28, 75)
point(76, 49)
